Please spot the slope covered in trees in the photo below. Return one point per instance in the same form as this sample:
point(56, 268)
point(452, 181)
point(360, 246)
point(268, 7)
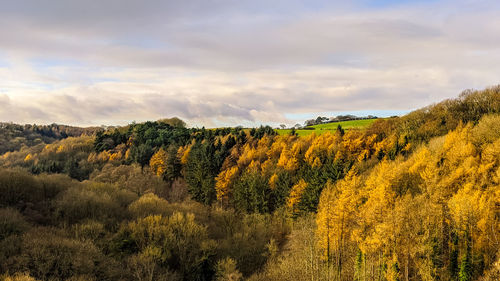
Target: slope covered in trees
point(409, 198)
point(14, 137)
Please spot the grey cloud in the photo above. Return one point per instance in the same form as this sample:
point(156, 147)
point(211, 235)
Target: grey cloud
point(237, 61)
point(221, 35)
point(13, 112)
point(95, 109)
point(165, 105)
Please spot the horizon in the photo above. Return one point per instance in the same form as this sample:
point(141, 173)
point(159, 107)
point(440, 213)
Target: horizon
point(382, 114)
point(224, 63)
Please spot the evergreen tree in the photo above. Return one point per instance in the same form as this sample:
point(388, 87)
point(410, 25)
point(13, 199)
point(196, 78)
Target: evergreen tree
point(143, 154)
point(453, 266)
point(200, 173)
point(465, 273)
point(340, 130)
point(250, 193)
point(358, 266)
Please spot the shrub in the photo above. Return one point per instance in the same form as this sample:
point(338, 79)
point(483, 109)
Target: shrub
point(11, 222)
point(149, 204)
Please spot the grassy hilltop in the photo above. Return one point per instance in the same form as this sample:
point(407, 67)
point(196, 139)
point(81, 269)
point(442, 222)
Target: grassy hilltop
point(330, 127)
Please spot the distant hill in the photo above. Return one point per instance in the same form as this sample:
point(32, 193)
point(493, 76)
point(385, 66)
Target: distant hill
point(14, 136)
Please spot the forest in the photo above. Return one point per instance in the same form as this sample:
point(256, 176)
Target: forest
point(415, 197)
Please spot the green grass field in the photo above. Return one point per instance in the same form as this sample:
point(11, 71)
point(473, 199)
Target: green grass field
point(331, 127)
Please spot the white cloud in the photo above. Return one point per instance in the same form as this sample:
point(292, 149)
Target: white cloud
point(237, 62)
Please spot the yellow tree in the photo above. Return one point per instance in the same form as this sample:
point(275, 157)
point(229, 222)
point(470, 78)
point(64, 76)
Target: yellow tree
point(183, 153)
point(288, 161)
point(373, 225)
point(158, 162)
point(295, 196)
point(223, 183)
point(319, 149)
point(489, 223)
point(272, 181)
point(336, 217)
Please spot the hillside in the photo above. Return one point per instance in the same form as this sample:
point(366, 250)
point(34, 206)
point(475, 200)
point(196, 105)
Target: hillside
point(329, 127)
point(346, 125)
point(14, 137)
point(407, 198)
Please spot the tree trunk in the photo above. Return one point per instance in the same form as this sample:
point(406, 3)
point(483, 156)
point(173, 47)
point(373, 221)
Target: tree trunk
point(407, 264)
point(341, 239)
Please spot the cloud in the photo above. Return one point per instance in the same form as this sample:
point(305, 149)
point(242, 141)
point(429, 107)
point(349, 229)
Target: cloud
point(10, 112)
point(222, 62)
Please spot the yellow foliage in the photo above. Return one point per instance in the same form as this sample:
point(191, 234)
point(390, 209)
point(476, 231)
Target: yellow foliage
point(319, 149)
point(283, 160)
point(130, 141)
point(488, 225)
point(158, 162)
point(185, 155)
point(148, 204)
point(127, 154)
point(300, 146)
point(336, 211)
point(464, 208)
point(247, 155)
point(407, 147)
point(295, 196)
point(254, 165)
point(266, 141)
point(317, 163)
point(224, 181)
point(272, 181)
point(421, 159)
point(288, 161)
point(267, 166)
point(103, 156)
point(60, 148)
point(28, 157)
point(292, 165)
point(277, 147)
point(69, 145)
point(115, 156)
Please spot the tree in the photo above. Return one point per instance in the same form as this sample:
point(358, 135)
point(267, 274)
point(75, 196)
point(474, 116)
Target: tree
point(251, 193)
point(340, 130)
point(142, 154)
point(47, 255)
point(177, 241)
point(223, 183)
point(149, 204)
point(174, 122)
point(200, 172)
point(465, 273)
point(158, 164)
point(453, 267)
point(335, 218)
point(166, 164)
point(295, 197)
point(320, 120)
point(11, 223)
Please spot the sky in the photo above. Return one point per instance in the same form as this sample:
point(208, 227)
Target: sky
point(227, 63)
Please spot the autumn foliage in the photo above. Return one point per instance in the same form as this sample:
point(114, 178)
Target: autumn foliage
point(415, 197)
